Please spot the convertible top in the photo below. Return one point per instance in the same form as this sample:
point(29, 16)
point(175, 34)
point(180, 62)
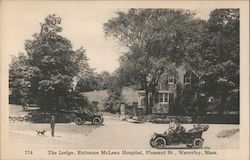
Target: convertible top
point(200, 128)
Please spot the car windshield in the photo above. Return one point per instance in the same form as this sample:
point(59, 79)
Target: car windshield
point(88, 111)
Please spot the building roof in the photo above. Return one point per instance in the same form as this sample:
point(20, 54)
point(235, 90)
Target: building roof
point(96, 95)
point(129, 95)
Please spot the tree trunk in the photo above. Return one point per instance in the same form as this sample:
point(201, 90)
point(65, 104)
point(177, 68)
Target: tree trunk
point(57, 103)
point(222, 105)
point(151, 104)
point(145, 87)
point(146, 101)
point(153, 94)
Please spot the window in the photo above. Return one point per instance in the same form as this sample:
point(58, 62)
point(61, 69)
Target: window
point(163, 97)
point(160, 97)
point(166, 96)
point(142, 101)
point(134, 104)
point(171, 79)
point(187, 78)
point(94, 103)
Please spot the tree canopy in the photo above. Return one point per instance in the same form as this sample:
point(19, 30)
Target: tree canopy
point(157, 39)
point(50, 64)
point(220, 58)
point(94, 81)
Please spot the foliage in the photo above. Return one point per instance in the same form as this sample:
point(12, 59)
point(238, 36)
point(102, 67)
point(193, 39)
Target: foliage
point(77, 102)
point(45, 117)
point(188, 101)
point(160, 38)
point(220, 58)
point(216, 64)
point(104, 79)
point(156, 39)
point(114, 93)
point(51, 64)
point(93, 81)
point(18, 82)
point(87, 84)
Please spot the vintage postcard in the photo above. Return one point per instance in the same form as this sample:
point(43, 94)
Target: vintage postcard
point(124, 80)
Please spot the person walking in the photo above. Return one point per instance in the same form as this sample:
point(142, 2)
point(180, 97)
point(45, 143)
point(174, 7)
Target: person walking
point(52, 125)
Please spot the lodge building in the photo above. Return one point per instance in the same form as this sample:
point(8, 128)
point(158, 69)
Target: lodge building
point(135, 99)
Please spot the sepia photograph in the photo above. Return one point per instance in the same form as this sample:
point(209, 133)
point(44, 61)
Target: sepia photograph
point(115, 81)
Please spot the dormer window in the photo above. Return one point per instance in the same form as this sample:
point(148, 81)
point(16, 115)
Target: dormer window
point(187, 78)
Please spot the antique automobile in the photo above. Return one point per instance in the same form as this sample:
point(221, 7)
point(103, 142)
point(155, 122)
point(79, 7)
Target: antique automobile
point(83, 110)
point(95, 118)
point(192, 138)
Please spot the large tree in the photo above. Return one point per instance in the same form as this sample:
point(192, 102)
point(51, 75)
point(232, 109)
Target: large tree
point(51, 64)
point(220, 58)
point(156, 39)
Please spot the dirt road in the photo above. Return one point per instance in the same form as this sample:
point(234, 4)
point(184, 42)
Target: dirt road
point(113, 134)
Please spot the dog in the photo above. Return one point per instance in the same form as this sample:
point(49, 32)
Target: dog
point(40, 133)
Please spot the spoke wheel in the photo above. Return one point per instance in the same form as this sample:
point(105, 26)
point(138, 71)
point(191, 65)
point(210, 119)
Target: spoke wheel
point(198, 142)
point(97, 120)
point(78, 121)
point(160, 142)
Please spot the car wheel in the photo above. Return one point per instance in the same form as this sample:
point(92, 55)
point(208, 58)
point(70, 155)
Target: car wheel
point(25, 107)
point(78, 121)
point(152, 143)
point(197, 143)
point(160, 142)
point(97, 120)
point(10, 118)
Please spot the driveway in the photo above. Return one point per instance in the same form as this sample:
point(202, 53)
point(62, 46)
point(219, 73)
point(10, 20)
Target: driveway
point(113, 134)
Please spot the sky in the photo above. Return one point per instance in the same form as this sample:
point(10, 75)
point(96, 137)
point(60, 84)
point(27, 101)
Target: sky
point(82, 24)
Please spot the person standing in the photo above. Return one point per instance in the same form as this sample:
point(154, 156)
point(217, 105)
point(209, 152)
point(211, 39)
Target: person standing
point(172, 124)
point(52, 125)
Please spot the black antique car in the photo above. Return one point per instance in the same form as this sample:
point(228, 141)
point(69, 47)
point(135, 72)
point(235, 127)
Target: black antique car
point(95, 118)
point(192, 138)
